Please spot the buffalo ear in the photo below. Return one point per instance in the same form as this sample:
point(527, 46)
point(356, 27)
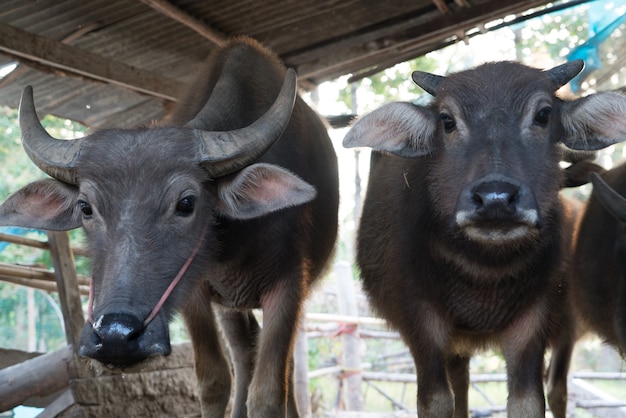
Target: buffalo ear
point(398, 128)
point(260, 189)
point(595, 121)
point(45, 204)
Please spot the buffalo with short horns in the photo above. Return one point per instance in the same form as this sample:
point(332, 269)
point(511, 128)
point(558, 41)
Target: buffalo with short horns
point(463, 240)
point(232, 206)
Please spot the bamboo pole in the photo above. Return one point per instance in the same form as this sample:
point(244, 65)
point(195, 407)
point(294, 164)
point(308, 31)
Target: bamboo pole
point(39, 284)
point(36, 273)
point(348, 319)
point(29, 242)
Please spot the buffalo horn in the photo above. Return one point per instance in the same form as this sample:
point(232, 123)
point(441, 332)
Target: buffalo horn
point(54, 157)
point(222, 153)
point(427, 81)
point(610, 199)
point(564, 73)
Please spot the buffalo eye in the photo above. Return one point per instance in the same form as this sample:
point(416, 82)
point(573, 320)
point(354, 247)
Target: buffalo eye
point(185, 206)
point(448, 122)
point(543, 116)
point(85, 208)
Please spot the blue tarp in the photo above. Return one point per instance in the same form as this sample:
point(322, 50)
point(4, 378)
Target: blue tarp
point(602, 23)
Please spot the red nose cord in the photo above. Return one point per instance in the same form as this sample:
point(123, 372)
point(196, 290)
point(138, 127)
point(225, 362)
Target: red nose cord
point(168, 291)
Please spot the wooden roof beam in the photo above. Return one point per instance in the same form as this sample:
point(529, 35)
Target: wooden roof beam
point(168, 9)
point(58, 57)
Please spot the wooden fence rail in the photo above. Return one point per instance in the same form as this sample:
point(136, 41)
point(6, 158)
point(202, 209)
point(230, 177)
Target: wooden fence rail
point(317, 325)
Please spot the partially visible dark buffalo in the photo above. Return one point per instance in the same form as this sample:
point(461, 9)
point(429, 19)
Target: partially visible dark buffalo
point(597, 286)
point(463, 241)
point(238, 179)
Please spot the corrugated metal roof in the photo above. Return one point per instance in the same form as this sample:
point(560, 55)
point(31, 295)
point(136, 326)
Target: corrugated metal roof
point(121, 63)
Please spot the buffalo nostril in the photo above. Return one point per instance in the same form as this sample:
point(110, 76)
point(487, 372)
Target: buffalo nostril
point(118, 328)
point(494, 194)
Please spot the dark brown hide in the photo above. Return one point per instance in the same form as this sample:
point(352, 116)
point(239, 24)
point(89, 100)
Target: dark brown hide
point(463, 241)
point(144, 198)
point(597, 286)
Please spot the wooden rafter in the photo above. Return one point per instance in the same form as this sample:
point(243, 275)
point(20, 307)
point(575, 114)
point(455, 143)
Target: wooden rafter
point(58, 57)
point(166, 8)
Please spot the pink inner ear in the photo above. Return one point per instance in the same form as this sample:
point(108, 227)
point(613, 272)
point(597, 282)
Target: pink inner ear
point(267, 186)
point(261, 189)
point(44, 204)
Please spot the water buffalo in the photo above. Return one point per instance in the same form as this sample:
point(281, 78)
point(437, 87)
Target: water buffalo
point(597, 284)
point(461, 242)
point(233, 202)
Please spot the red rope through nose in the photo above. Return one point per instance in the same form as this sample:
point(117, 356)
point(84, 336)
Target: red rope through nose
point(168, 291)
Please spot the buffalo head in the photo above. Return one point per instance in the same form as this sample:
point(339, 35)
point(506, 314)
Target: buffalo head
point(148, 200)
point(492, 139)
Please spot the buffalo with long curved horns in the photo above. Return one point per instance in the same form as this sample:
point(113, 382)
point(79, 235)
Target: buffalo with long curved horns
point(229, 206)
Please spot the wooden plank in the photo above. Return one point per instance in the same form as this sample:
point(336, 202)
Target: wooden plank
point(67, 283)
point(56, 55)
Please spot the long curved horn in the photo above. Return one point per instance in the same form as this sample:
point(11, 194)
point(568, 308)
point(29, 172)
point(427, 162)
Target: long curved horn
point(222, 153)
point(609, 198)
point(427, 81)
point(564, 73)
point(53, 156)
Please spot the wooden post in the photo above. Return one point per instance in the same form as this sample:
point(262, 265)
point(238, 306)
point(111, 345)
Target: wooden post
point(351, 356)
point(301, 372)
point(67, 283)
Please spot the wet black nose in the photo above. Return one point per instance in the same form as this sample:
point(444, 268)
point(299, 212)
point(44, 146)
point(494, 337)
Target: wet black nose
point(122, 339)
point(495, 199)
point(113, 339)
point(118, 328)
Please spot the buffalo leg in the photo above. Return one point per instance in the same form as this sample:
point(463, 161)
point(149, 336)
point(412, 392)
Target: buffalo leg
point(524, 369)
point(212, 368)
point(556, 378)
point(270, 383)
point(428, 345)
point(241, 330)
point(458, 372)
point(434, 395)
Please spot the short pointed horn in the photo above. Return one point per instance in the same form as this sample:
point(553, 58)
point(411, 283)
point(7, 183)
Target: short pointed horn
point(53, 156)
point(609, 198)
point(427, 81)
point(564, 73)
point(222, 153)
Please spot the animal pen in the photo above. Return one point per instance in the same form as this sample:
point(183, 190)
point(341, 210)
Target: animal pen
point(67, 386)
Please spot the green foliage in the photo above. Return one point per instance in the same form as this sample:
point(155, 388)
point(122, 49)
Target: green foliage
point(392, 84)
point(14, 300)
point(17, 171)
